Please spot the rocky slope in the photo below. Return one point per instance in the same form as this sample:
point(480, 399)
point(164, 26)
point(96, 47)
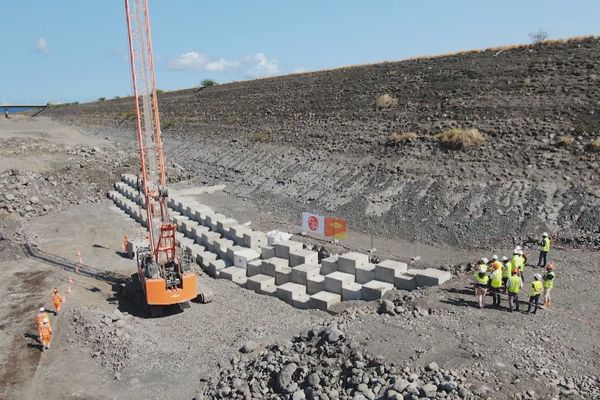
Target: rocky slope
point(320, 141)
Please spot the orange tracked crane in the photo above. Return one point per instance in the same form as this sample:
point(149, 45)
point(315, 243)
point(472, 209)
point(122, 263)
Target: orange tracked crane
point(164, 278)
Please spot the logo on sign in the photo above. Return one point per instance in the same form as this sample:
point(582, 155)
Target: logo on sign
point(313, 223)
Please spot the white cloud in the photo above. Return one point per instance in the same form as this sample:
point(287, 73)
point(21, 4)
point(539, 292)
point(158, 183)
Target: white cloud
point(260, 65)
point(193, 60)
point(41, 45)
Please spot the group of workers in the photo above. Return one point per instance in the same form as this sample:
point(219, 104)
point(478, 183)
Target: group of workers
point(42, 319)
point(500, 276)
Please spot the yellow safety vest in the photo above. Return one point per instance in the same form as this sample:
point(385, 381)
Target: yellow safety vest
point(536, 288)
point(506, 270)
point(545, 245)
point(514, 284)
point(485, 267)
point(496, 278)
point(481, 280)
point(549, 283)
point(518, 261)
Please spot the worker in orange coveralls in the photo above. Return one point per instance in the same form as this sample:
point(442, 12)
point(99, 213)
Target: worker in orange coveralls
point(58, 299)
point(44, 329)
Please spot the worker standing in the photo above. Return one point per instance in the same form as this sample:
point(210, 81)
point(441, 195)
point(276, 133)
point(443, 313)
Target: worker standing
point(506, 270)
point(481, 285)
point(517, 261)
point(537, 287)
point(549, 278)
point(544, 249)
point(57, 299)
point(513, 286)
point(44, 329)
point(496, 283)
point(483, 263)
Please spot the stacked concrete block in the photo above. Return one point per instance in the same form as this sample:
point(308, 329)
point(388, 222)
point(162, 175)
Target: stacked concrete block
point(231, 251)
point(267, 252)
point(283, 275)
point(254, 267)
point(329, 265)
point(351, 291)
point(197, 233)
point(324, 300)
point(290, 290)
point(374, 290)
point(348, 262)
point(261, 284)
point(388, 270)
point(271, 265)
point(432, 277)
point(215, 267)
point(220, 246)
point(365, 273)
point(236, 275)
point(315, 284)
point(301, 273)
point(301, 301)
point(282, 250)
point(334, 281)
point(237, 232)
point(206, 257)
point(303, 256)
point(223, 225)
point(407, 281)
point(255, 239)
point(213, 220)
point(243, 256)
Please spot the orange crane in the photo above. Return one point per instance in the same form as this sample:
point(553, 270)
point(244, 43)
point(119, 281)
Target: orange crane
point(164, 278)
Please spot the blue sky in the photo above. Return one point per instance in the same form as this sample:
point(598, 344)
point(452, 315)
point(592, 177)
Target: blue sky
point(76, 50)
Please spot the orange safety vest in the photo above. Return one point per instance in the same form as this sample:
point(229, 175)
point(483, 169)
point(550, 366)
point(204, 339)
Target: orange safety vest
point(39, 319)
point(57, 299)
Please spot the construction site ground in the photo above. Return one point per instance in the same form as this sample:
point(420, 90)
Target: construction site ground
point(496, 352)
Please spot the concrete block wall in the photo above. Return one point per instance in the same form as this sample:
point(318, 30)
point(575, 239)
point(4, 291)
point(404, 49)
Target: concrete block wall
point(224, 248)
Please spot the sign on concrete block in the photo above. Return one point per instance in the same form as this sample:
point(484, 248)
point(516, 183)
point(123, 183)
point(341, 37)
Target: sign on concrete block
point(324, 226)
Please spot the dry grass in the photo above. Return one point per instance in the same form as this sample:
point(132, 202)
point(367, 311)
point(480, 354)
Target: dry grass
point(564, 141)
point(594, 145)
point(386, 101)
point(265, 135)
point(456, 138)
point(128, 115)
point(398, 138)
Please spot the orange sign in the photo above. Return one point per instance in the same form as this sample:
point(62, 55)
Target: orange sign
point(335, 227)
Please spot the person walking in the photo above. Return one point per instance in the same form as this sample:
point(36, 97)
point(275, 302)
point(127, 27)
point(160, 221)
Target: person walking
point(42, 321)
point(496, 283)
point(513, 287)
point(506, 271)
point(537, 287)
point(549, 278)
point(481, 285)
point(544, 249)
point(57, 299)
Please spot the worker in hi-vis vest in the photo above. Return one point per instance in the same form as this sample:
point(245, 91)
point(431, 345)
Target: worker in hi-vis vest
point(549, 278)
point(537, 288)
point(513, 287)
point(544, 249)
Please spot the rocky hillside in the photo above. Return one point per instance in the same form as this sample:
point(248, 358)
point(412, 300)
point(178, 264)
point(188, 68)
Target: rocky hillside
point(323, 141)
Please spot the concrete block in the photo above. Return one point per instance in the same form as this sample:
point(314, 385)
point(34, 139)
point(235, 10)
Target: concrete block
point(259, 283)
point(301, 301)
point(329, 265)
point(270, 291)
point(255, 239)
point(236, 275)
point(303, 256)
point(301, 273)
point(388, 270)
point(253, 268)
point(374, 290)
point(365, 273)
point(236, 233)
point(213, 220)
point(349, 261)
point(214, 268)
point(224, 224)
point(432, 277)
point(206, 257)
point(335, 280)
point(289, 290)
point(282, 250)
point(324, 300)
point(231, 251)
point(406, 282)
point(243, 256)
point(315, 284)
point(351, 291)
point(220, 246)
point(197, 232)
point(283, 275)
point(269, 266)
point(267, 252)
point(208, 239)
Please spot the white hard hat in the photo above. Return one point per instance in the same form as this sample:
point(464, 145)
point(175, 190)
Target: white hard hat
point(520, 252)
point(495, 257)
point(42, 309)
point(482, 269)
point(516, 250)
point(538, 277)
point(484, 260)
point(545, 234)
point(504, 258)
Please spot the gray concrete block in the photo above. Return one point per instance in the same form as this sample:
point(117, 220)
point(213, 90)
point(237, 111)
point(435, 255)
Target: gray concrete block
point(349, 261)
point(208, 239)
point(374, 290)
point(243, 256)
point(231, 252)
point(255, 239)
point(365, 273)
point(282, 250)
point(197, 233)
point(301, 273)
point(270, 291)
point(335, 280)
point(324, 300)
point(289, 290)
point(214, 268)
point(236, 233)
point(224, 224)
point(283, 275)
point(329, 265)
point(301, 301)
point(236, 275)
point(315, 284)
point(206, 257)
point(432, 277)
point(272, 264)
point(303, 256)
point(220, 246)
point(267, 252)
point(351, 291)
point(388, 270)
point(259, 283)
point(253, 267)
point(406, 282)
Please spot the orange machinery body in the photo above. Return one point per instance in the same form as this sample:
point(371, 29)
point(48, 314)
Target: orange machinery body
point(157, 293)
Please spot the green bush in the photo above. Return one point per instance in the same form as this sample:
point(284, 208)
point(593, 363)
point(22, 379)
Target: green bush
point(101, 98)
point(167, 124)
point(208, 83)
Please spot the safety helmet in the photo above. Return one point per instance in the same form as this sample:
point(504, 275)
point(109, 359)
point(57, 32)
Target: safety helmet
point(504, 258)
point(516, 250)
point(515, 270)
point(545, 234)
point(496, 266)
point(550, 266)
point(495, 257)
point(538, 277)
point(484, 260)
point(55, 290)
point(42, 309)
point(482, 269)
